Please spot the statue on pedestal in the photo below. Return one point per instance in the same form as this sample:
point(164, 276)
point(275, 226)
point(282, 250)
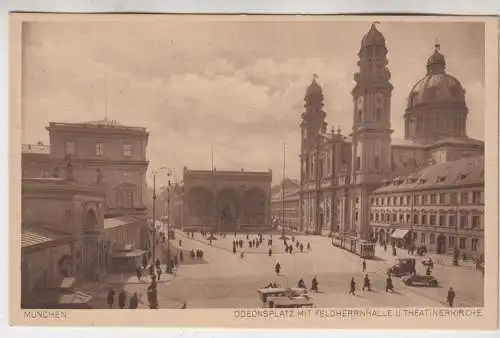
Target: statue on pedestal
point(100, 177)
point(69, 169)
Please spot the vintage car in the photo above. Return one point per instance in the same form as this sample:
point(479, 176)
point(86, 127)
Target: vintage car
point(280, 292)
point(403, 267)
point(421, 280)
point(286, 302)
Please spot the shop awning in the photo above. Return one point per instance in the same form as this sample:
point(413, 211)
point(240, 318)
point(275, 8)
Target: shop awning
point(127, 254)
point(399, 234)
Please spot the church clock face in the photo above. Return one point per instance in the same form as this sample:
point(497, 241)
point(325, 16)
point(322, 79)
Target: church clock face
point(360, 102)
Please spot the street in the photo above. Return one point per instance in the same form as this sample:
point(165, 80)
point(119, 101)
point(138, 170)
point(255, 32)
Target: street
point(225, 280)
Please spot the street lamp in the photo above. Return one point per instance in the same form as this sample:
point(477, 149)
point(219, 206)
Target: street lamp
point(283, 236)
point(169, 258)
point(155, 172)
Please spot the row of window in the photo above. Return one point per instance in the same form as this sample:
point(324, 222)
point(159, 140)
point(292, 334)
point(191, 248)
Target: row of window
point(466, 197)
point(433, 220)
point(99, 149)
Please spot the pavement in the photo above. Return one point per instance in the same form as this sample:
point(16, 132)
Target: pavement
point(225, 280)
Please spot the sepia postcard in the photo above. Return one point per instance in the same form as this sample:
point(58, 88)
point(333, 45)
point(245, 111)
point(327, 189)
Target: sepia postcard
point(254, 171)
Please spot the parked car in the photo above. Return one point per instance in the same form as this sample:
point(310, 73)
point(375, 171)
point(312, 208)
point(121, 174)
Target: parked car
point(403, 267)
point(421, 280)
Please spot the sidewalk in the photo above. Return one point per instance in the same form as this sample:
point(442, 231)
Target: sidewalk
point(132, 278)
point(443, 260)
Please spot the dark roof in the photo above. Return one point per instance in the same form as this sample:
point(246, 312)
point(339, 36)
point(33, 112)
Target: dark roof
point(466, 171)
point(39, 235)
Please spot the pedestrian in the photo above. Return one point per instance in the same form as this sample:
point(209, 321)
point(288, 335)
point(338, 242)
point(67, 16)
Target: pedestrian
point(451, 296)
point(314, 284)
point(352, 288)
point(385, 247)
point(138, 273)
point(277, 268)
point(157, 263)
point(428, 271)
point(134, 301)
point(158, 273)
point(121, 299)
point(301, 284)
point(388, 284)
point(175, 260)
point(366, 283)
point(181, 256)
point(308, 246)
point(364, 265)
point(301, 247)
point(111, 298)
point(270, 252)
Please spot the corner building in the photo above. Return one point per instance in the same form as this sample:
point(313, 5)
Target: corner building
point(340, 173)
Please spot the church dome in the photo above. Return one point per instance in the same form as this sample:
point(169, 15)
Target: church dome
point(437, 87)
point(373, 37)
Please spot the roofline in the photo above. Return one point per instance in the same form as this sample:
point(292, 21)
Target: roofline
point(429, 188)
point(88, 127)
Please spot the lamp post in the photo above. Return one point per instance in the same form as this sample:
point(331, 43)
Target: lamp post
point(283, 236)
point(169, 258)
point(155, 172)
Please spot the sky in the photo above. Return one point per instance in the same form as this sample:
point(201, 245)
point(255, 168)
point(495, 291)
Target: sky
point(236, 85)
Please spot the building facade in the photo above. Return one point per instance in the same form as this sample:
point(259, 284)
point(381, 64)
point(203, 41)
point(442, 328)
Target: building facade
point(102, 156)
point(226, 200)
point(61, 233)
point(440, 207)
point(340, 173)
point(286, 207)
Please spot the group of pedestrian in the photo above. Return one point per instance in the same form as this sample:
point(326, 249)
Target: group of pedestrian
point(389, 286)
point(298, 245)
point(122, 298)
point(198, 254)
point(314, 284)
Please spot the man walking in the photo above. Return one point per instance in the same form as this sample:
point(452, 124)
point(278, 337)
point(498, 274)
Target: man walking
point(121, 299)
point(364, 265)
point(111, 298)
point(451, 296)
point(366, 284)
point(352, 289)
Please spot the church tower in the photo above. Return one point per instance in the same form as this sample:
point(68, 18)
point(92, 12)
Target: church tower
point(371, 129)
point(311, 126)
point(313, 117)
